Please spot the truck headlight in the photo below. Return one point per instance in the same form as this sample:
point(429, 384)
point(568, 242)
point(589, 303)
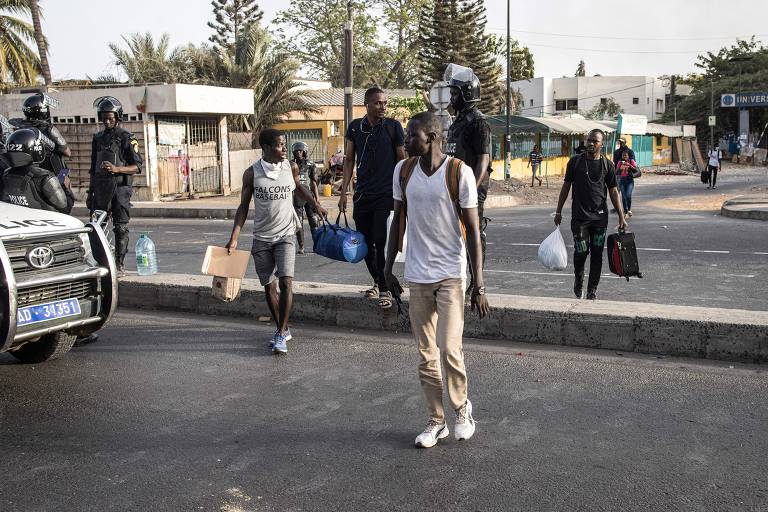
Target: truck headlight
point(87, 252)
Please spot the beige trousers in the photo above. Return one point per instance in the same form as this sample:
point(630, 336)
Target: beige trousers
point(437, 322)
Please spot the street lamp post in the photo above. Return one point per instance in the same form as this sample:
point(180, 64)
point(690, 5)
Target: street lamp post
point(507, 138)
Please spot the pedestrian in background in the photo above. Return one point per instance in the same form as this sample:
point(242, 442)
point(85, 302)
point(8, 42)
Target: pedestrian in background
point(593, 178)
point(437, 196)
point(270, 182)
point(715, 158)
point(374, 146)
point(621, 149)
point(534, 162)
point(307, 171)
point(626, 170)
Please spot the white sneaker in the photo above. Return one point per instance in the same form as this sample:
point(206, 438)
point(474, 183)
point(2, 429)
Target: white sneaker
point(465, 423)
point(432, 434)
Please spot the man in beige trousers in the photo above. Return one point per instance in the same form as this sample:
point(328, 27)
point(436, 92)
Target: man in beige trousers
point(439, 196)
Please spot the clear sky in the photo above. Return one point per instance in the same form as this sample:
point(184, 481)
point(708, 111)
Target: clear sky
point(649, 37)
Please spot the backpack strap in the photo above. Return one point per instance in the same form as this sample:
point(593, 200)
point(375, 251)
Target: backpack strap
point(452, 181)
point(406, 170)
point(389, 124)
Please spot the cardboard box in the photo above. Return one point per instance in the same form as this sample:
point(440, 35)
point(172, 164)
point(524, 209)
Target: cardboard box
point(226, 288)
point(218, 262)
point(228, 271)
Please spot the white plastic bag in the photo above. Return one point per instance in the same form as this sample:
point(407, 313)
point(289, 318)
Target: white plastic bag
point(400, 255)
point(552, 251)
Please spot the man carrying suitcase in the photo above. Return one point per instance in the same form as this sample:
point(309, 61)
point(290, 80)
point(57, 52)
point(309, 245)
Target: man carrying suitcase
point(593, 178)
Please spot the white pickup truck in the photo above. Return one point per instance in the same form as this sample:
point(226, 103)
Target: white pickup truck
point(58, 282)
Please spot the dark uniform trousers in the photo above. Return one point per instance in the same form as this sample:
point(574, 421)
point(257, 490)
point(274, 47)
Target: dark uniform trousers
point(113, 193)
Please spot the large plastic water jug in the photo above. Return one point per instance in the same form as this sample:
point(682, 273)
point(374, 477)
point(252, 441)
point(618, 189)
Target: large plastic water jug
point(146, 258)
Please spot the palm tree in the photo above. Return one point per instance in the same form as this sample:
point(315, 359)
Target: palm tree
point(18, 61)
point(269, 72)
point(581, 69)
point(143, 61)
point(42, 44)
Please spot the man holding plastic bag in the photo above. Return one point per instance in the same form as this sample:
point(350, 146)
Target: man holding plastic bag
point(593, 178)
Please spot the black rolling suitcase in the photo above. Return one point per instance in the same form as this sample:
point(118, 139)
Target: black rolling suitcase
point(622, 255)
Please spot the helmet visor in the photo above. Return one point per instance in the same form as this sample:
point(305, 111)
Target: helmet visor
point(458, 73)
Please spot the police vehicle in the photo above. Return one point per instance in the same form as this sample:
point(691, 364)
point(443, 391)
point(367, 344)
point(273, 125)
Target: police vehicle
point(58, 281)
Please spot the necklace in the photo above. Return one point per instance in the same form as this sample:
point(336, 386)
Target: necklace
point(586, 171)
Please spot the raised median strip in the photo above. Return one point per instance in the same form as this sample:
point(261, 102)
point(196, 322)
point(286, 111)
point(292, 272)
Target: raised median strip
point(754, 207)
point(726, 334)
point(188, 209)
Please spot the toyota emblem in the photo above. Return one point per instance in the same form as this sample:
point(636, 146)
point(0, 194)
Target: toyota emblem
point(40, 257)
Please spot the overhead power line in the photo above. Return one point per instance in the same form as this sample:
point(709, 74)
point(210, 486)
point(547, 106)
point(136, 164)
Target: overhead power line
point(646, 38)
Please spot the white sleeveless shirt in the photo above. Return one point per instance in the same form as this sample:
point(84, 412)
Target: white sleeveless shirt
point(273, 215)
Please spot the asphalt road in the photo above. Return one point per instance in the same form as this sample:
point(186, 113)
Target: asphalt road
point(695, 258)
point(168, 412)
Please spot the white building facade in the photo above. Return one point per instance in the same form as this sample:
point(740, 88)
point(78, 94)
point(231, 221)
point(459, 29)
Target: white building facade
point(641, 95)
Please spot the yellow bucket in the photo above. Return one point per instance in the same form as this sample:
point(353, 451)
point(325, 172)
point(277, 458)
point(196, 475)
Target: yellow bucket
point(327, 190)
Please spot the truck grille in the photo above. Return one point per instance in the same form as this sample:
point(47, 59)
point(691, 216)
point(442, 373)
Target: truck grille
point(67, 253)
point(59, 291)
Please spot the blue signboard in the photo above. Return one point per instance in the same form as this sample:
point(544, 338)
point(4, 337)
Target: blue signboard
point(744, 99)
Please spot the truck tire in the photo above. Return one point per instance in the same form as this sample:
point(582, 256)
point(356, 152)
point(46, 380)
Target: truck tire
point(51, 346)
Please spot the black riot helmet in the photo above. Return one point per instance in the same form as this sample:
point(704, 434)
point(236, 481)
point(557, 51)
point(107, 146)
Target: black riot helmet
point(465, 80)
point(106, 104)
point(25, 147)
point(300, 146)
point(36, 107)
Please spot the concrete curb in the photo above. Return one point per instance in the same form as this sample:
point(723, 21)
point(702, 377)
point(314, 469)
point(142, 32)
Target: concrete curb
point(735, 335)
point(751, 211)
point(217, 212)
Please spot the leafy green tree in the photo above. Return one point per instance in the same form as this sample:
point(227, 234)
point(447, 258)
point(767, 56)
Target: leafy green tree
point(402, 22)
point(404, 108)
point(19, 64)
point(608, 109)
point(231, 19)
point(454, 32)
point(312, 32)
point(442, 40)
point(721, 74)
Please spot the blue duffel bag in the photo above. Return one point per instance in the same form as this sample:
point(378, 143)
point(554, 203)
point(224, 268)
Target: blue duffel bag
point(339, 243)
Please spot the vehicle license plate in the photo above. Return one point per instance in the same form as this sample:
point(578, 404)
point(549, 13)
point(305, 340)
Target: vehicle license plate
point(50, 311)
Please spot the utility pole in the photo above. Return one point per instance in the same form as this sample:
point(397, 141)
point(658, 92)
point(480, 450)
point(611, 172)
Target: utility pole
point(348, 55)
point(711, 112)
point(507, 138)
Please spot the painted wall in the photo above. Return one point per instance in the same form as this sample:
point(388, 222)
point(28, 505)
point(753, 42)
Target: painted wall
point(553, 166)
point(588, 90)
point(662, 153)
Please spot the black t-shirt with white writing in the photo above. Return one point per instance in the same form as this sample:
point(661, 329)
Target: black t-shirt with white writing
point(591, 180)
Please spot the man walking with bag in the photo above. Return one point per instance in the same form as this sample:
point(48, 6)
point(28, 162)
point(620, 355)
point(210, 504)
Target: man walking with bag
point(437, 195)
point(593, 178)
point(271, 182)
point(374, 146)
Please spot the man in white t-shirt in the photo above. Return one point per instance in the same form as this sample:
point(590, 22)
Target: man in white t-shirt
point(715, 156)
point(438, 196)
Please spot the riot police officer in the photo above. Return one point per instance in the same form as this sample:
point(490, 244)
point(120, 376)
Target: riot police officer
point(308, 180)
point(23, 182)
point(37, 113)
point(469, 137)
point(114, 160)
